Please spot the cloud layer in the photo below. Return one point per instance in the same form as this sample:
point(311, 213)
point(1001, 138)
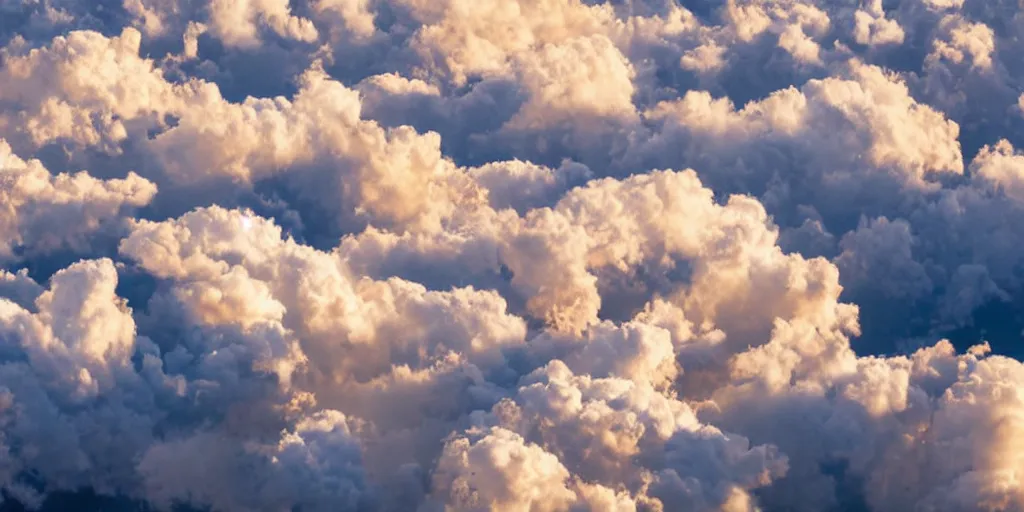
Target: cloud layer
point(522, 255)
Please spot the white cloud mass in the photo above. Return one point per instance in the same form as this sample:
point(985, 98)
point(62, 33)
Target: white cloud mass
point(512, 255)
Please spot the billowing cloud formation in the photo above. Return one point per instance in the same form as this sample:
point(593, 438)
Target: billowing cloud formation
point(43, 212)
point(528, 255)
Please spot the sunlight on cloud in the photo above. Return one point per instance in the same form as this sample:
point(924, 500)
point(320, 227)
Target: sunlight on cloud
point(511, 255)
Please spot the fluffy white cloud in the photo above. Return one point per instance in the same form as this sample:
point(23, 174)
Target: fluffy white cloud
point(84, 88)
point(41, 212)
point(788, 143)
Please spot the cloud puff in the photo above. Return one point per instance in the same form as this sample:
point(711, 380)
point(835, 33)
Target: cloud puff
point(85, 399)
point(43, 212)
point(84, 89)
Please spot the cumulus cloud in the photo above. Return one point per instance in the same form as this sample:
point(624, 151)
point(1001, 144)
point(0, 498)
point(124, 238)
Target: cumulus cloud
point(43, 212)
point(536, 255)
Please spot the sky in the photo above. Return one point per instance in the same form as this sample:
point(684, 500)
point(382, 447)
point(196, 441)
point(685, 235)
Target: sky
point(512, 255)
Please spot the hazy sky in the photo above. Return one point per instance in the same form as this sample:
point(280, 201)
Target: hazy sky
point(512, 255)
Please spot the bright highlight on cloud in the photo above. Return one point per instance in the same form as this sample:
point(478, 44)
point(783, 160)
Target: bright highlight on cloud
point(515, 255)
